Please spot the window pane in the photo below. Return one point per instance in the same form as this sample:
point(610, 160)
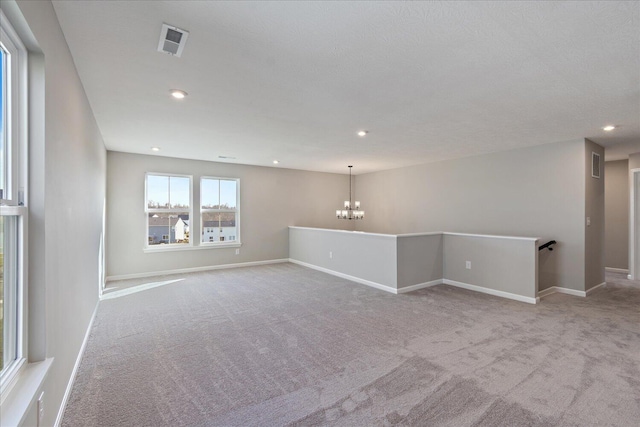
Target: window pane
point(219, 227)
point(3, 119)
point(210, 193)
point(157, 191)
point(8, 289)
point(2, 297)
point(228, 194)
point(168, 228)
point(179, 191)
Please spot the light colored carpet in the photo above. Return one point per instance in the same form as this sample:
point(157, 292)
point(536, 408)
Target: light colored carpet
point(284, 345)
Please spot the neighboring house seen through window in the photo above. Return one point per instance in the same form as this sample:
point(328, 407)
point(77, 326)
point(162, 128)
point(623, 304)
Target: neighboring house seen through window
point(219, 210)
point(168, 209)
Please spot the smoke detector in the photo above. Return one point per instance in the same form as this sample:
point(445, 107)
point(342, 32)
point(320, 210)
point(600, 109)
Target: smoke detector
point(172, 40)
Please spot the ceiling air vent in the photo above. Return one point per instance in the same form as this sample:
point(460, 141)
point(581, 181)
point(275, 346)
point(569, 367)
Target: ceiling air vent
point(172, 40)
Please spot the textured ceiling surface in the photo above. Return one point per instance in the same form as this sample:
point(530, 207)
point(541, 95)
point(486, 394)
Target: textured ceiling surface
point(295, 81)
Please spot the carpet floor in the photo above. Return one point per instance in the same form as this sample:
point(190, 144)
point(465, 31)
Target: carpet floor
point(282, 345)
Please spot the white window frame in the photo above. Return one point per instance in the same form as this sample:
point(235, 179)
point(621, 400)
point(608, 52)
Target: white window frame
point(223, 244)
point(148, 210)
point(13, 203)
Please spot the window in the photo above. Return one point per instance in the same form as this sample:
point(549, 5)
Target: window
point(168, 210)
point(13, 213)
point(220, 210)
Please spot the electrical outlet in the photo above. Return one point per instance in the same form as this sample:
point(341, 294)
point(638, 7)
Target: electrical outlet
point(237, 251)
point(588, 221)
point(468, 265)
point(40, 409)
point(330, 255)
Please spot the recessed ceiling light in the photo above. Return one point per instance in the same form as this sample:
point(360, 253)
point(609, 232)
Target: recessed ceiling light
point(609, 128)
point(155, 148)
point(363, 133)
point(178, 94)
point(275, 162)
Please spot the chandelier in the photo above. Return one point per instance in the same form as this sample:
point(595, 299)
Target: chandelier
point(348, 212)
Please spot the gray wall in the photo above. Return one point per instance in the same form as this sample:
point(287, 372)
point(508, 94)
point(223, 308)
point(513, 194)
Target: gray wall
point(537, 191)
point(371, 257)
point(594, 209)
point(616, 214)
point(271, 199)
point(67, 191)
point(505, 265)
point(420, 259)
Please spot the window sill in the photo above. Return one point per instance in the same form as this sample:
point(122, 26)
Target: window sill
point(176, 248)
point(23, 392)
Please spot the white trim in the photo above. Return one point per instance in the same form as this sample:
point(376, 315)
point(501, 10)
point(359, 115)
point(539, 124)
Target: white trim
point(596, 287)
point(194, 269)
point(135, 289)
point(72, 379)
point(392, 290)
point(15, 406)
point(568, 291)
point(617, 270)
point(419, 234)
point(346, 276)
point(490, 236)
point(419, 286)
point(362, 233)
point(235, 211)
point(434, 233)
point(561, 290)
point(171, 247)
point(546, 292)
point(509, 295)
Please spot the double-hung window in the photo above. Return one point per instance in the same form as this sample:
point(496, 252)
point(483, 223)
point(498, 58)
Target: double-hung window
point(13, 212)
point(168, 210)
point(219, 211)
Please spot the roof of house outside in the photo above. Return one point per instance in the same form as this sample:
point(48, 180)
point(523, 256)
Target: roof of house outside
point(230, 223)
point(158, 221)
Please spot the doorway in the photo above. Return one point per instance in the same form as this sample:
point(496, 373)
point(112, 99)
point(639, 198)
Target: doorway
point(634, 226)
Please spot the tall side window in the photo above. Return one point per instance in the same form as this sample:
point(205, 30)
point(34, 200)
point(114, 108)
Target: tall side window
point(13, 212)
point(168, 210)
point(219, 211)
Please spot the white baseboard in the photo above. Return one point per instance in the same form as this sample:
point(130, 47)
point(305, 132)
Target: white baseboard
point(596, 287)
point(72, 379)
point(392, 290)
point(193, 269)
point(419, 286)
point(509, 295)
point(545, 292)
point(617, 270)
point(346, 276)
point(560, 290)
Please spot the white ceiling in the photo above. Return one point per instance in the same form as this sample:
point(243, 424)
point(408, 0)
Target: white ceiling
point(294, 81)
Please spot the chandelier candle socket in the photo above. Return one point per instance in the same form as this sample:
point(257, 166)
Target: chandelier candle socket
point(348, 212)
